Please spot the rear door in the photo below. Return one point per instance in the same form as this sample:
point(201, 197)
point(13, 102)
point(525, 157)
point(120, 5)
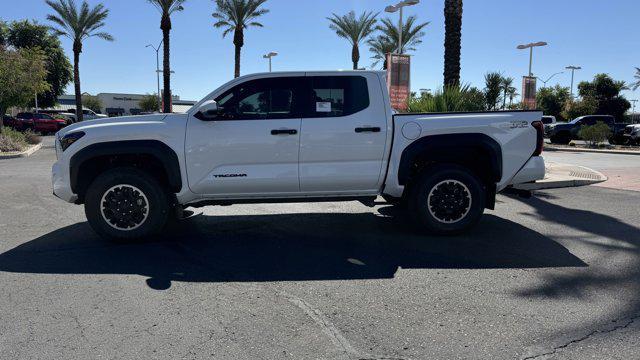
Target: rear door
point(251, 149)
point(344, 135)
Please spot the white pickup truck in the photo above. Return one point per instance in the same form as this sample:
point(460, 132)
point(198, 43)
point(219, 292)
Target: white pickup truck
point(295, 137)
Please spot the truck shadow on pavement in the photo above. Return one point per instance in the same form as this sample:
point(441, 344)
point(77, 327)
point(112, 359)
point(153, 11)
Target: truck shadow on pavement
point(287, 247)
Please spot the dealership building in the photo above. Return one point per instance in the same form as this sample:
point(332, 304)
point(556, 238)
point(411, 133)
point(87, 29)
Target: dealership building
point(114, 104)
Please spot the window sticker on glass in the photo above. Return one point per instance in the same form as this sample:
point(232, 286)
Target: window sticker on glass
point(324, 106)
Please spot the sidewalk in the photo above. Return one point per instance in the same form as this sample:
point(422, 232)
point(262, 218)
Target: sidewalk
point(564, 175)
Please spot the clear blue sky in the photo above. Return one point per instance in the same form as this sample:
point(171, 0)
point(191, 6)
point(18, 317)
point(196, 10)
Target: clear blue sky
point(600, 36)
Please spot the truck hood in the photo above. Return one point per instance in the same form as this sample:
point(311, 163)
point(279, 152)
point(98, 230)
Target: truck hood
point(560, 126)
point(97, 124)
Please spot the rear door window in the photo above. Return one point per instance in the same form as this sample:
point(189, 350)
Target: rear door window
point(336, 96)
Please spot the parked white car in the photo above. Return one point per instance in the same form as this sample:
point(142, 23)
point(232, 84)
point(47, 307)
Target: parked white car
point(632, 134)
point(295, 137)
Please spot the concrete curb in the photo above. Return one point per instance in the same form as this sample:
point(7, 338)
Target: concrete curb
point(570, 149)
point(562, 176)
point(22, 154)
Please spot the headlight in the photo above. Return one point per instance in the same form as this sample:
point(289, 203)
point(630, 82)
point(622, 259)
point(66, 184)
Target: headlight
point(69, 139)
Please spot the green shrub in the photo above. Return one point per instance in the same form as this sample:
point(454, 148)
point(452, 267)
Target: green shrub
point(12, 140)
point(449, 99)
point(32, 138)
point(595, 134)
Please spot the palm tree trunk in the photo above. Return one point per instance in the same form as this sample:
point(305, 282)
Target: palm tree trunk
point(166, 64)
point(236, 72)
point(238, 41)
point(452, 40)
point(355, 56)
point(77, 49)
point(504, 100)
point(166, 73)
point(3, 110)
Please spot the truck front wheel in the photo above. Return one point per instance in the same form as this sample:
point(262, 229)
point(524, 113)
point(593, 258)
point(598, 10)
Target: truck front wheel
point(126, 204)
point(446, 199)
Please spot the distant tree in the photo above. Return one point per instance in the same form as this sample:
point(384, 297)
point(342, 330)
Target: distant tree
point(636, 84)
point(512, 93)
point(507, 83)
point(448, 99)
point(92, 102)
point(452, 41)
point(412, 32)
point(149, 103)
point(380, 46)
point(355, 30)
point(27, 34)
point(552, 100)
point(166, 9)
point(577, 108)
point(493, 89)
point(606, 92)
point(4, 34)
point(236, 16)
point(22, 73)
point(78, 24)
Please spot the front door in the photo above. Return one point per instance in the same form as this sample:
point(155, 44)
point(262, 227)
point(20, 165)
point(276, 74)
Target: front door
point(252, 146)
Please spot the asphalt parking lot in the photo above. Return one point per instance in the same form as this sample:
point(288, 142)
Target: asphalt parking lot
point(556, 276)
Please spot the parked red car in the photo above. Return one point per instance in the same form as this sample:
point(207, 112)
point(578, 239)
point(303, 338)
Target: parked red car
point(45, 123)
point(38, 122)
point(24, 121)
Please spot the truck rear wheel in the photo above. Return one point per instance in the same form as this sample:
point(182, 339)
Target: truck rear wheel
point(446, 199)
point(126, 204)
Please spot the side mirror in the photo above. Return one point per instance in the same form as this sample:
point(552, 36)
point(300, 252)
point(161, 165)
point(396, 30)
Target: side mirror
point(208, 111)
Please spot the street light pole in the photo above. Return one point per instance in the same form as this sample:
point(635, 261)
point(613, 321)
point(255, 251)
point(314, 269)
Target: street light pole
point(398, 7)
point(158, 71)
point(633, 112)
point(270, 56)
point(573, 70)
point(530, 47)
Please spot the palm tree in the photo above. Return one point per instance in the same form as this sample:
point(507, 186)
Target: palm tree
point(635, 85)
point(78, 24)
point(166, 8)
point(386, 43)
point(507, 83)
point(411, 32)
point(353, 29)
point(380, 46)
point(236, 16)
point(493, 89)
point(512, 92)
point(452, 39)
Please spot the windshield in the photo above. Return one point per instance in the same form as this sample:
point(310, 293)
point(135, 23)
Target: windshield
point(574, 121)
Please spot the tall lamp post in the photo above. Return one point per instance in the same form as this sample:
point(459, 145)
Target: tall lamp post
point(158, 71)
point(573, 70)
point(530, 47)
point(270, 56)
point(398, 7)
point(633, 112)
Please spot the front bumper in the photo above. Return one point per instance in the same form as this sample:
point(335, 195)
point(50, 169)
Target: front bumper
point(61, 183)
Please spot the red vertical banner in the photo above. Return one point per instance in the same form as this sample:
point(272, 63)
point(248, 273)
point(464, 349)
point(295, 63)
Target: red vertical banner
point(529, 92)
point(398, 80)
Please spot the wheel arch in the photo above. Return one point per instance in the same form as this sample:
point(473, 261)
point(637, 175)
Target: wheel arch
point(152, 156)
point(478, 152)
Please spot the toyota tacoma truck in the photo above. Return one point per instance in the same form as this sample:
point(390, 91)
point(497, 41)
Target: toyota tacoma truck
point(295, 137)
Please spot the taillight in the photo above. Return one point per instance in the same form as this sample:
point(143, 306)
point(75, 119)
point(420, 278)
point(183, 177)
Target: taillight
point(539, 126)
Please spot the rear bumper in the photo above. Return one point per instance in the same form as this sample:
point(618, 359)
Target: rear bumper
point(533, 170)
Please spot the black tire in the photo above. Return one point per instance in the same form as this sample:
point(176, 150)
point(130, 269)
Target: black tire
point(457, 195)
point(562, 139)
point(141, 224)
